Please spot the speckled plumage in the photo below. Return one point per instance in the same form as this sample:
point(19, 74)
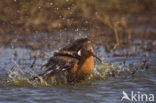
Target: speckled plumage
point(76, 59)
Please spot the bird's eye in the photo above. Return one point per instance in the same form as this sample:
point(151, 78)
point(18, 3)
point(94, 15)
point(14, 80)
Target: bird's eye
point(79, 52)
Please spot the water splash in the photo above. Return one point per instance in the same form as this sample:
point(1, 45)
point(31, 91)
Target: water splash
point(105, 70)
point(19, 77)
point(101, 71)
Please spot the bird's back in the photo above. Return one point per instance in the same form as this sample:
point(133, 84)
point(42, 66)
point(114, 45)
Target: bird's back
point(79, 67)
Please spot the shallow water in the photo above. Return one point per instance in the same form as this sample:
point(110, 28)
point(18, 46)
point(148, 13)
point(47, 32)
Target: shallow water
point(103, 90)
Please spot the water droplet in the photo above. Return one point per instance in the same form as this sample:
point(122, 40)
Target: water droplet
point(63, 18)
point(51, 3)
point(86, 22)
point(96, 13)
point(80, 34)
point(77, 29)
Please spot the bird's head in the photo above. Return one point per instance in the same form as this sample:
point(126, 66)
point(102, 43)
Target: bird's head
point(86, 50)
point(82, 47)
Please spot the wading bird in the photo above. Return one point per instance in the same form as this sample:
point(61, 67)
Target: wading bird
point(76, 59)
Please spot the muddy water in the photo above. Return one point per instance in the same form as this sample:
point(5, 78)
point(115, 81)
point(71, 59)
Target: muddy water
point(100, 89)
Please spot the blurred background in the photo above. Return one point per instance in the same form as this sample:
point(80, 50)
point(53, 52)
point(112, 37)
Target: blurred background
point(116, 22)
point(115, 27)
point(23, 16)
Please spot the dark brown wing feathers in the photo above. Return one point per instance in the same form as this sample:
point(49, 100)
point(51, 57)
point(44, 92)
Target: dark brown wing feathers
point(63, 60)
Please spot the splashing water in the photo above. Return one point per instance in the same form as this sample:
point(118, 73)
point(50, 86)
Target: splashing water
point(19, 78)
point(101, 72)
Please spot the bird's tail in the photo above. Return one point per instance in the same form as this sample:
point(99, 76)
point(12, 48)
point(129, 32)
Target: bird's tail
point(45, 75)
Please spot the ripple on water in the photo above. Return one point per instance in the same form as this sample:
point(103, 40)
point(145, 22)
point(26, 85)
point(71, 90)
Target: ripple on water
point(103, 87)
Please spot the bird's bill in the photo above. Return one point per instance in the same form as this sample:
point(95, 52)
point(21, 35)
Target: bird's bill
point(92, 54)
point(96, 57)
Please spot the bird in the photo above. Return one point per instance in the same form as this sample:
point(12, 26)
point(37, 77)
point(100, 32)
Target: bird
point(76, 59)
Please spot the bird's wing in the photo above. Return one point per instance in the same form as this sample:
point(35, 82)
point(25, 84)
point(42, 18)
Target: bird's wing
point(58, 64)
